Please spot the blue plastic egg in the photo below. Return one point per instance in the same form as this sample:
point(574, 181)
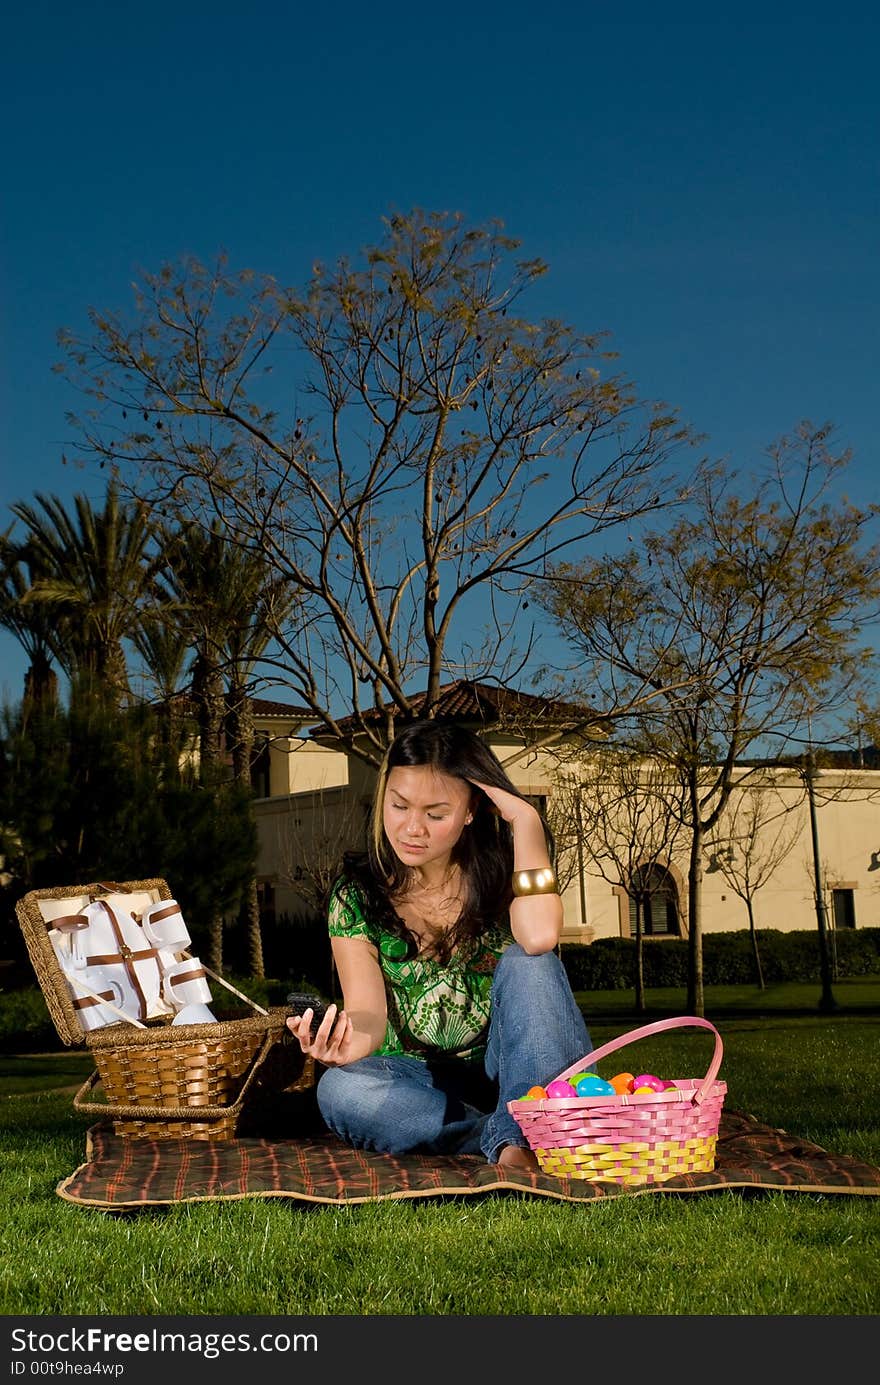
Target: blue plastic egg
point(591, 1085)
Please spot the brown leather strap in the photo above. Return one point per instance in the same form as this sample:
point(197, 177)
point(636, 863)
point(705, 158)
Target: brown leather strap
point(125, 953)
point(68, 923)
point(126, 956)
point(165, 913)
point(83, 1002)
point(182, 976)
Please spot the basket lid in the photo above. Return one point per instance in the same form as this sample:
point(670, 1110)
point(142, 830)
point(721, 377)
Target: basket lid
point(36, 912)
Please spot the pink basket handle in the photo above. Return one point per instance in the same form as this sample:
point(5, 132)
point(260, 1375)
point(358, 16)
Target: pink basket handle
point(658, 1027)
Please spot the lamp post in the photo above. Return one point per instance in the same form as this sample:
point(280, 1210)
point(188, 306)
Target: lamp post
point(827, 1002)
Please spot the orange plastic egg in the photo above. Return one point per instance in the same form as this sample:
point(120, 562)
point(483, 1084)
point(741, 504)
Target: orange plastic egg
point(620, 1082)
point(535, 1094)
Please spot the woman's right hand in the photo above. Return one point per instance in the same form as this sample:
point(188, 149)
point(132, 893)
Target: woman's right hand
point(332, 1042)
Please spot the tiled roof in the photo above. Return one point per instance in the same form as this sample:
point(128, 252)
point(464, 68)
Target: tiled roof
point(260, 706)
point(866, 757)
point(265, 707)
point(480, 704)
point(487, 705)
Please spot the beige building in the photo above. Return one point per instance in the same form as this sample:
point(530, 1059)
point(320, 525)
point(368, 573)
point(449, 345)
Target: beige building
point(314, 801)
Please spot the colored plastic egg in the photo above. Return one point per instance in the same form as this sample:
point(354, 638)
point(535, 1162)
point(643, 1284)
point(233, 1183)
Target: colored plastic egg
point(669, 1087)
point(591, 1085)
point(621, 1082)
point(535, 1094)
point(644, 1091)
point(647, 1079)
point(575, 1078)
point(559, 1088)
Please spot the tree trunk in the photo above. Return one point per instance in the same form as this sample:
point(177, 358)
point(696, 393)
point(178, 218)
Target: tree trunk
point(827, 1001)
point(215, 943)
point(640, 955)
point(695, 998)
point(210, 702)
point(209, 697)
point(114, 672)
point(759, 974)
point(251, 913)
point(240, 728)
point(40, 683)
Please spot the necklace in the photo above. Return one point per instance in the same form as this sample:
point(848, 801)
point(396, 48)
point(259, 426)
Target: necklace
point(429, 910)
point(437, 889)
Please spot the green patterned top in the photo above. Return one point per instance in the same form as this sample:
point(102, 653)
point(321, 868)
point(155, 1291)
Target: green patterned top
point(432, 1008)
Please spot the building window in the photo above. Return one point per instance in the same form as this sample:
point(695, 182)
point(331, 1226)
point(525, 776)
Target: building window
point(843, 908)
point(260, 767)
point(659, 900)
point(266, 898)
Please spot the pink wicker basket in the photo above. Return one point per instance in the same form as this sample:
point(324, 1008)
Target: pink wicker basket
point(628, 1139)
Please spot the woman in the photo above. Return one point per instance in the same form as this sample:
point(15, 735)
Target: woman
point(443, 937)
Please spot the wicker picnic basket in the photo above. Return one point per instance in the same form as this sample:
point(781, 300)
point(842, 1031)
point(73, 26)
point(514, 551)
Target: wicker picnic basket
point(628, 1139)
point(159, 1080)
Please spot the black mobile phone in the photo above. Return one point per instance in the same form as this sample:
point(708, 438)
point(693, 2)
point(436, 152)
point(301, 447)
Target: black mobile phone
point(300, 1001)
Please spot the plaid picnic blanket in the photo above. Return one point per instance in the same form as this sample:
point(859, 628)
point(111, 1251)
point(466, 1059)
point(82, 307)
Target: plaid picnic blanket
point(123, 1174)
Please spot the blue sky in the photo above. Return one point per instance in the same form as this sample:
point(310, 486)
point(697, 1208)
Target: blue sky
point(705, 189)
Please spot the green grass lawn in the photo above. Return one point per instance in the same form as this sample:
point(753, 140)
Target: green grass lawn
point(734, 1253)
point(853, 995)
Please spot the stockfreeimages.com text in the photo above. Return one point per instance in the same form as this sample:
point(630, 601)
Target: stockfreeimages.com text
point(207, 1344)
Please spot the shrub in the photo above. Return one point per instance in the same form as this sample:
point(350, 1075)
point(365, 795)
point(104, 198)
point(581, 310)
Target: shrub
point(25, 1021)
point(608, 964)
point(297, 948)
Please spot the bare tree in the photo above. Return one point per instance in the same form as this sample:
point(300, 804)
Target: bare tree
point(739, 620)
point(748, 845)
point(394, 442)
point(312, 837)
point(618, 813)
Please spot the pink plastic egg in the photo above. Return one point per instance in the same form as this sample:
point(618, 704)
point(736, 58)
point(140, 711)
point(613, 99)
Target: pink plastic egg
point(558, 1087)
point(647, 1079)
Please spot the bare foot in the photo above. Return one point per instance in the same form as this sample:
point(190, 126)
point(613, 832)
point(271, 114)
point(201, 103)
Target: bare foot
point(516, 1157)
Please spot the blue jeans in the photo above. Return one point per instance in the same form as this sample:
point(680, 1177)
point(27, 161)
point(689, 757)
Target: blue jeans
point(453, 1106)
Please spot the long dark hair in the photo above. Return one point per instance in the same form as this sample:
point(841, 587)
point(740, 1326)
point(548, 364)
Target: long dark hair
point(483, 852)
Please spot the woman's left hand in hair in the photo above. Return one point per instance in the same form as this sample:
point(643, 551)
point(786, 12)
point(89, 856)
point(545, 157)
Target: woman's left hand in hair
point(509, 806)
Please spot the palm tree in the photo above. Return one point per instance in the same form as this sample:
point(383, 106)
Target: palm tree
point(258, 601)
point(193, 594)
point(164, 645)
point(93, 572)
point(224, 599)
point(191, 598)
point(32, 624)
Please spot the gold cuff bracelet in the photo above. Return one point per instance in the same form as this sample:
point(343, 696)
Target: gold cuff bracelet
point(540, 881)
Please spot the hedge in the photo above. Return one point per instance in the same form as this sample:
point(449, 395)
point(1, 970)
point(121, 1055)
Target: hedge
point(605, 965)
point(608, 963)
point(25, 1022)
